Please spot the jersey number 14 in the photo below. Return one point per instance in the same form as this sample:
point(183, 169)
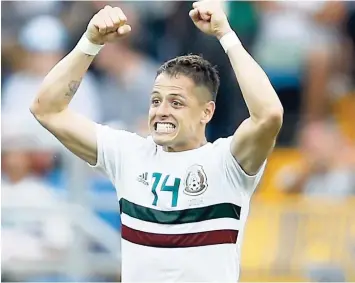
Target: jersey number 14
point(174, 189)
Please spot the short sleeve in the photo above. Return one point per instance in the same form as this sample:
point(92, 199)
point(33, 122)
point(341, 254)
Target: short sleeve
point(112, 149)
point(234, 172)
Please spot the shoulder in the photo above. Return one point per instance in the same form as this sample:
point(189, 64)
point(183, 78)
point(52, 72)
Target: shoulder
point(222, 144)
point(232, 168)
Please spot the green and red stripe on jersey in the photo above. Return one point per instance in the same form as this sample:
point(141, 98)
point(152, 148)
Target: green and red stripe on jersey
point(191, 215)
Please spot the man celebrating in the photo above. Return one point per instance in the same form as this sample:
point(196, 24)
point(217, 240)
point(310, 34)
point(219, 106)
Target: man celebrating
point(184, 202)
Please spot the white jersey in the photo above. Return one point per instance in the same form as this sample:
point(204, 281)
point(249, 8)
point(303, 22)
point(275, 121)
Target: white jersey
point(182, 213)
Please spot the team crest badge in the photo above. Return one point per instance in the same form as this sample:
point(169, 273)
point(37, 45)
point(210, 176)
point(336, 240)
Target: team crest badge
point(195, 181)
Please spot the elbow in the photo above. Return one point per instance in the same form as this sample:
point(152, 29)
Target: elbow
point(35, 109)
point(276, 116)
point(273, 120)
point(38, 110)
point(38, 114)
point(42, 113)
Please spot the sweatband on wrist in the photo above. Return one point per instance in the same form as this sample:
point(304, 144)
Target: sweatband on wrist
point(87, 47)
point(229, 40)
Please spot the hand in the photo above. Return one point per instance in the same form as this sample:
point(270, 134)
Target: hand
point(107, 25)
point(210, 18)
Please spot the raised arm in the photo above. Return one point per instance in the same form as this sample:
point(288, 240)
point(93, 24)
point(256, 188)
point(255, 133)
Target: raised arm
point(256, 136)
point(50, 106)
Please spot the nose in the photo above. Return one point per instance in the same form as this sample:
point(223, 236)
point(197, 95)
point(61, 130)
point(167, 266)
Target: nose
point(163, 110)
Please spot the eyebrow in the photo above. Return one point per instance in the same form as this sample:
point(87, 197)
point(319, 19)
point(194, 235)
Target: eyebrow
point(170, 94)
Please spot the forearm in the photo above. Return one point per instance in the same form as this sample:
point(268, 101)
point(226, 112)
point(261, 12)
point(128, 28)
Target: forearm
point(61, 83)
point(259, 95)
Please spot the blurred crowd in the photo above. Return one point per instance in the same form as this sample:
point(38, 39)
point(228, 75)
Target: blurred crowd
point(306, 48)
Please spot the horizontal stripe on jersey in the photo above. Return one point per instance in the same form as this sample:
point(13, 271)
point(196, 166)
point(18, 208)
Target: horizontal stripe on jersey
point(202, 226)
point(215, 211)
point(199, 239)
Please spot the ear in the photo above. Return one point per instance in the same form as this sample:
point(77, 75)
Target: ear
point(208, 112)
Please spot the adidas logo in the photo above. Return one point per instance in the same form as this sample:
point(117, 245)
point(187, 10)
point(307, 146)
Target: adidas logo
point(142, 178)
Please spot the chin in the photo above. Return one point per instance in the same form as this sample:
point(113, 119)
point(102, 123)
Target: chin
point(163, 139)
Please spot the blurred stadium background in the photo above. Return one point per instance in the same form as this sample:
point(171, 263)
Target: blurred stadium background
point(60, 220)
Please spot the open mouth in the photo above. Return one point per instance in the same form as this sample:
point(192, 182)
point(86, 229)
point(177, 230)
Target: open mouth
point(164, 127)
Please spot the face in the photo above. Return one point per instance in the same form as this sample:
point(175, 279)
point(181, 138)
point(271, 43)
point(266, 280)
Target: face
point(41, 62)
point(179, 112)
point(16, 164)
point(318, 143)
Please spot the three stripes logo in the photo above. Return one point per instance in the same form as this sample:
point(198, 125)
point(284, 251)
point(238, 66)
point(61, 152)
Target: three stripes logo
point(143, 178)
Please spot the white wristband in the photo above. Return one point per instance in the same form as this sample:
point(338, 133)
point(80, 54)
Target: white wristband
point(229, 40)
point(87, 47)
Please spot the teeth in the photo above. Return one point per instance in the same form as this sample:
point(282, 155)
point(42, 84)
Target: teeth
point(165, 127)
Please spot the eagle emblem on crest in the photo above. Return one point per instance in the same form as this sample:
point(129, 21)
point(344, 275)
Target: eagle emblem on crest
point(195, 181)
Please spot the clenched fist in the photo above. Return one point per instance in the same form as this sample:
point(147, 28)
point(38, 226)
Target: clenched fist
point(107, 25)
point(209, 17)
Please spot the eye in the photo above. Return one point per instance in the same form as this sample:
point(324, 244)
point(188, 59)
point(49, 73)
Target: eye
point(176, 103)
point(155, 101)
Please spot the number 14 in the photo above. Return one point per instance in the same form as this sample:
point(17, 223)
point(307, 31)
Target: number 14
point(174, 189)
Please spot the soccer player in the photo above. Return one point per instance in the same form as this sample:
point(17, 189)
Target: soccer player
point(184, 201)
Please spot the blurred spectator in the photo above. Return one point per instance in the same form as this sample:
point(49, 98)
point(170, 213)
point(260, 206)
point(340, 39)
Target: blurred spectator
point(126, 84)
point(303, 50)
point(47, 233)
point(328, 165)
point(15, 15)
point(43, 41)
point(19, 12)
point(326, 171)
point(243, 18)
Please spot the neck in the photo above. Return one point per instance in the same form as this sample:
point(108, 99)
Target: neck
point(179, 148)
